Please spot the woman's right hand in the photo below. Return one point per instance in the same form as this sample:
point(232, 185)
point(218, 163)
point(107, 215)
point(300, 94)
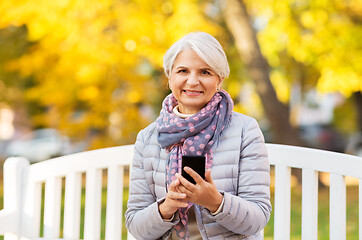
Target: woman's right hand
point(174, 200)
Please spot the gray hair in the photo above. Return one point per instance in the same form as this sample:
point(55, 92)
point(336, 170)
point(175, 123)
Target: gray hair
point(205, 46)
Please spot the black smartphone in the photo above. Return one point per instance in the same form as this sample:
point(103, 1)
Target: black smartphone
point(197, 163)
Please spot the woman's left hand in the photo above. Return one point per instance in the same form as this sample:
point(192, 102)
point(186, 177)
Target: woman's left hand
point(203, 193)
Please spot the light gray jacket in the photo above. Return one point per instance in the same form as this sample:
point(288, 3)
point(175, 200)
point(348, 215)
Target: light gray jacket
point(240, 170)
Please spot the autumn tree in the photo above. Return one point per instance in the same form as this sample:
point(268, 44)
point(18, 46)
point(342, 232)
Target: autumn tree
point(13, 44)
point(238, 22)
point(311, 43)
point(97, 65)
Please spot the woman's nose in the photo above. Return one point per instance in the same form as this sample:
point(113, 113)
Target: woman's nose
point(193, 79)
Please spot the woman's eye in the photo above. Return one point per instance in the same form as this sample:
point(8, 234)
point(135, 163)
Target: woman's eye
point(206, 72)
point(181, 71)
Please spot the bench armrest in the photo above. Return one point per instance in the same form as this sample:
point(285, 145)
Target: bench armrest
point(7, 221)
point(14, 172)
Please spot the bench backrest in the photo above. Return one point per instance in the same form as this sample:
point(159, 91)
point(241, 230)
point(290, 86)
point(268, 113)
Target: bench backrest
point(45, 181)
point(42, 183)
point(313, 161)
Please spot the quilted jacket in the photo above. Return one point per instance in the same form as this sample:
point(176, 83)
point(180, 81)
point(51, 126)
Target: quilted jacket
point(240, 170)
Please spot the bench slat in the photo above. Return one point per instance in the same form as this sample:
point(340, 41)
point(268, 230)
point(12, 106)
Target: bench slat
point(114, 213)
point(32, 207)
point(282, 203)
point(309, 205)
point(53, 191)
point(93, 199)
point(72, 202)
point(337, 207)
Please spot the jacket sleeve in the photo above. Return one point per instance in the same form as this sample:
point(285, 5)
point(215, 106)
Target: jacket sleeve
point(249, 211)
point(143, 219)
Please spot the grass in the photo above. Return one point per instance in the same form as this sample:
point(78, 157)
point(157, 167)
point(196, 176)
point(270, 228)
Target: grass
point(323, 213)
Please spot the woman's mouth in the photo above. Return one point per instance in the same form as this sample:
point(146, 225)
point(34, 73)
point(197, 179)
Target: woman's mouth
point(192, 92)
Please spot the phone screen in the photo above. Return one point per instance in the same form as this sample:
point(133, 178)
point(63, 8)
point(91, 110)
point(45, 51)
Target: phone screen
point(197, 163)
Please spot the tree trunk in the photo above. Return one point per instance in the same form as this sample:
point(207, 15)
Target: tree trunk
point(238, 23)
point(358, 101)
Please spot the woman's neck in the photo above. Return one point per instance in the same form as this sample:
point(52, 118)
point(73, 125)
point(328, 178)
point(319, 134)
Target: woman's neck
point(181, 115)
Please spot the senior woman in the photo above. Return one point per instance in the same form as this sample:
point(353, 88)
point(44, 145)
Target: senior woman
point(197, 118)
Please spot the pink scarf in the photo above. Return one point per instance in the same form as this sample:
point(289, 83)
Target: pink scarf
point(194, 135)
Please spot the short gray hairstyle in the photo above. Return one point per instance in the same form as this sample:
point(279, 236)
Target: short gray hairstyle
point(205, 46)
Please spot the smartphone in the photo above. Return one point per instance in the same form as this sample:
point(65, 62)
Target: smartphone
point(197, 163)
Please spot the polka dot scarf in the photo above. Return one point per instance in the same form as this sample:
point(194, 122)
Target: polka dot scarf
point(194, 135)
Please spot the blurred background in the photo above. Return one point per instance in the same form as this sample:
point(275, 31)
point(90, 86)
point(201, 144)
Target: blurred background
point(77, 75)
point(86, 74)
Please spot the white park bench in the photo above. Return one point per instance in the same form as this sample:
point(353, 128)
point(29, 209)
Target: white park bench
point(24, 184)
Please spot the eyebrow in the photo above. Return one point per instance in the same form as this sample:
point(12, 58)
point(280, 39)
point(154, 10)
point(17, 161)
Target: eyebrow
point(208, 69)
point(203, 69)
point(181, 67)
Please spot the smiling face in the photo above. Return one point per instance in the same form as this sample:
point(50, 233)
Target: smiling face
point(193, 82)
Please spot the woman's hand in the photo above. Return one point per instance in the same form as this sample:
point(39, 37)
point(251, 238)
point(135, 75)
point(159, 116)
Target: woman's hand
point(174, 200)
point(203, 193)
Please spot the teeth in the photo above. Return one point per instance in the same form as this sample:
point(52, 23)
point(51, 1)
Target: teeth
point(191, 91)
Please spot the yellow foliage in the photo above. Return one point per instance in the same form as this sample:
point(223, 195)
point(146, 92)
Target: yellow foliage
point(87, 53)
point(88, 56)
point(314, 19)
point(339, 80)
point(280, 83)
point(319, 34)
point(134, 96)
point(88, 93)
point(234, 89)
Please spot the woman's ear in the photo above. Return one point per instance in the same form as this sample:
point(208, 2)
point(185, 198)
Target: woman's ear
point(218, 86)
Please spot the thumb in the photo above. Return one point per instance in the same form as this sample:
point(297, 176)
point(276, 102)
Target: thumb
point(174, 185)
point(208, 177)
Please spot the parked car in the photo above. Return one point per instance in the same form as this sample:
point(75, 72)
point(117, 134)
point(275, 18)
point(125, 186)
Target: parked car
point(42, 144)
point(322, 137)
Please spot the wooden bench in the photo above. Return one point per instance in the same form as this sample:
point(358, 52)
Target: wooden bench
point(29, 187)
